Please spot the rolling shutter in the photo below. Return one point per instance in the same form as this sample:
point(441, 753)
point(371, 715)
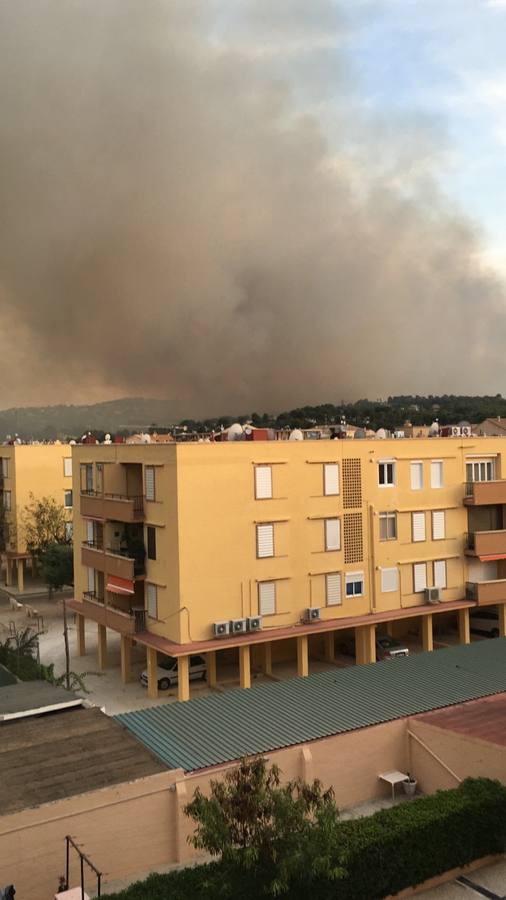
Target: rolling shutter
point(389, 580)
point(149, 475)
point(418, 519)
point(265, 541)
point(440, 573)
point(333, 588)
point(436, 474)
point(330, 479)
point(419, 577)
point(91, 579)
point(267, 598)
point(416, 476)
point(332, 534)
point(89, 532)
point(152, 600)
point(438, 525)
point(67, 466)
point(263, 482)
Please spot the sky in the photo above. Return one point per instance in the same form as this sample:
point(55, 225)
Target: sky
point(251, 205)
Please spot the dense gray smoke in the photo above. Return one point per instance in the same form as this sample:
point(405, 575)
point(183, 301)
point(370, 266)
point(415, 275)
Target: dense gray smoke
point(190, 208)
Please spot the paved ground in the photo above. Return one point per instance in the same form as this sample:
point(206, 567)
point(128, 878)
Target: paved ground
point(487, 882)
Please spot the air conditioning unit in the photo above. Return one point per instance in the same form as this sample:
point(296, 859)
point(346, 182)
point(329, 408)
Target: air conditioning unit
point(465, 431)
point(221, 629)
point(238, 626)
point(254, 623)
point(432, 595)
point(312, 614)
point(455, 431)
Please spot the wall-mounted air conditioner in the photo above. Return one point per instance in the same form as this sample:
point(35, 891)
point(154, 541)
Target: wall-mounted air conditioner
point(238, 626)
point(220, 629)
point(254, 623)
point(466, 431)
point(312, 614)
point(432, 595)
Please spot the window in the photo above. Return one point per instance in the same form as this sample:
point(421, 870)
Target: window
point(418, 526)
point(67, 499)
point(333, 588)
point(436, 473)
point(267, 598)
point(152, 600)
point(388, 526)
point(480, 470)
point(149, 475)
point(354, 584)
point(416, 476)
point(419, 577)
point(7, 500)
point(332, 534)
point(330, 479)
point(69, 531)
point(67, 466)
point(151, 535)
point(87, 478)
point(90, 532)
point(263, 482)
point(440, 573)
point(386, 473)
point(265, 541)
point(5, 467)
point(91, 580)
point(438, 525)
point(389, 580)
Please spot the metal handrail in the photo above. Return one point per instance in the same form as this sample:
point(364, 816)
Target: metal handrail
point(136, 499)
point(93, 545)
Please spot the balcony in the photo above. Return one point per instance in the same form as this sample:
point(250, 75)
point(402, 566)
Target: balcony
point(113, 507)
point(97, 610)
point(485, 493)
point(486, 543)
point(486, 593)
point(111, 562)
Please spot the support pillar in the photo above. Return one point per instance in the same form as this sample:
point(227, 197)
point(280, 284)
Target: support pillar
point(267, 661)
point(427, 633)
point(126, 658)
point(181, 799)
point(152, 664)
point(102, 647)
point(365, 644)
point(245, 666)
point(329, 646)
point(464, 630)
point(8, 572)
point(302, 656)
point(389, 628)
point(183, 678)
point(501, 610)
point(21, 575)
point(211, 669)
point(80, 634)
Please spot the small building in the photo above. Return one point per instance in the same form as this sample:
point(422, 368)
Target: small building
point(492, 427)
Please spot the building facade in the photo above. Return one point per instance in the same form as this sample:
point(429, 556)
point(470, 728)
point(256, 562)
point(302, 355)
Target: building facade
point(30, 470)
point(270, 548)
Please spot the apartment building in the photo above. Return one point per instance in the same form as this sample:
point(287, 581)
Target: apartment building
point(266, 549)
point(41, 470)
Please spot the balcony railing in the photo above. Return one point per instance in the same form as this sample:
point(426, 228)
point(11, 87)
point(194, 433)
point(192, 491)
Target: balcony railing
point(486, 543)
point(486, 593)
point(125, 622)
point(114, 507)
point(124, 553)
point(483, 493)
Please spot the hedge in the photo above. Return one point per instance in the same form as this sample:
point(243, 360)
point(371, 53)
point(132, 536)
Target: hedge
point(380, 854)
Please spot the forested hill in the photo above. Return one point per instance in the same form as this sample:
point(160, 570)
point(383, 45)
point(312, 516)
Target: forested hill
point(49, 422)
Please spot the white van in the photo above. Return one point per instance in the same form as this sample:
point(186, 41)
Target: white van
point(166, 671)
point(485, 621)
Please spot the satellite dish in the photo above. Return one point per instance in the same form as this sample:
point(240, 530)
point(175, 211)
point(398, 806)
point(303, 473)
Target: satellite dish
point(248, 429)
point(72, 443)
point(235, 432)
point(296, 435)
point(380, 434)
point(359, 434)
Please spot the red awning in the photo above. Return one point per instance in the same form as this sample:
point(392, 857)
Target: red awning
point(120, 585)
point(492, 556)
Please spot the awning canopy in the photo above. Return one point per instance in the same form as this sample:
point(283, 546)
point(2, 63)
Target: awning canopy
point(120, 585)
point(492, 556)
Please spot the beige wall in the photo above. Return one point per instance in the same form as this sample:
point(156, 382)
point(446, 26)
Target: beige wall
point(464, 755)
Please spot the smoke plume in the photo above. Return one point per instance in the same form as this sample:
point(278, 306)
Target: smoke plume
point(194, 205)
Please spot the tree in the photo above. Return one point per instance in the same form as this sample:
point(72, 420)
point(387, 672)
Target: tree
point(57, 566)
point(281, 834)
point(44, 523)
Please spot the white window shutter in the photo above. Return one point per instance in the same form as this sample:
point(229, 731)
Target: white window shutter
point(263, 482)
point(91, 579)
point(436, 474)
point(331, 479)
point(438, 525)
point(440, 573)
point(418, 526)
point(89, 532)
point(332, 534)
point(149, 475)
point(389, 580)
point(420, 577)
point(267, 598)
point(265, 541)
point(67, 466)
point(333, 588)
point(416, 476)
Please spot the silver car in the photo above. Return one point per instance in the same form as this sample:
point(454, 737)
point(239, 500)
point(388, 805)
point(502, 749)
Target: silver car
point(166, 671)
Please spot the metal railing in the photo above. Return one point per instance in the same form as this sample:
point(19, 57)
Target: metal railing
point(136, 499)
point(471, 590)
point(92, 595)
point(470, 540)
point(469, 488)
point(93, 545)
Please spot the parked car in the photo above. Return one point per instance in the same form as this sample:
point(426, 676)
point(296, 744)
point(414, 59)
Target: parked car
point(386, 647)
point(485, 621)
point(166, 671)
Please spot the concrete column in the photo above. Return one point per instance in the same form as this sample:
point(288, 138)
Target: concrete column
point(21, 575)
point(389, 628)
point(183, 678)
point(501, 609)
point(302, 656)
point(245, 666)
point(267, 662)
point(329, 646)
point(152, 663)
point(102, 647)
point(464, 631)
point(8, 572)
point(211, 669)
point(365, 644)
point(80, 633)
point(126, 658)
point(180, 830)
point(427, 633)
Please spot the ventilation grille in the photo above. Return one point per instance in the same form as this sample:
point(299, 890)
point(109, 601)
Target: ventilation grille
point(353, 538)
point(352, 483)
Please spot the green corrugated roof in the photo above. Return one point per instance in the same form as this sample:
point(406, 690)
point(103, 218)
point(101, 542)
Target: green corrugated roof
point(222, 727)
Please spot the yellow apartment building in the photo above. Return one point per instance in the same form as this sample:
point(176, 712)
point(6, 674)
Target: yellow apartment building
point(44, 470)
point(277, 549)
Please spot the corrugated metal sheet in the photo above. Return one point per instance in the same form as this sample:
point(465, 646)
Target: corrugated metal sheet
point(222, 727)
